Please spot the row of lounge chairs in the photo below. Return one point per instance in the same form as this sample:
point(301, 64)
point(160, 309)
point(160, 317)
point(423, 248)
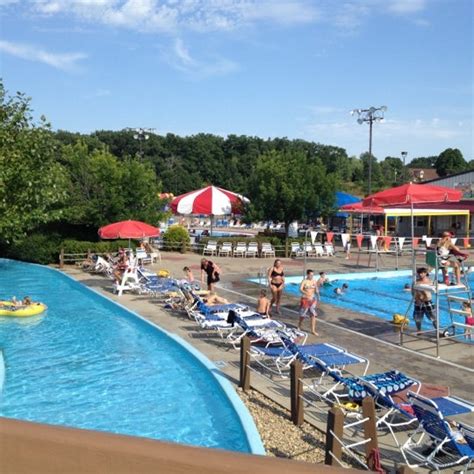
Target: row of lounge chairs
point(316, 250)
point(240, 249)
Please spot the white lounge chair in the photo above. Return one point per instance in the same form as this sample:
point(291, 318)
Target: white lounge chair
point(210, 248)
point(240, 249)
point(225, 249)
point(296, 250)
point(319, 250)
point(252, 250)
point(267, 250)
point(329, 249)
point(309, 250)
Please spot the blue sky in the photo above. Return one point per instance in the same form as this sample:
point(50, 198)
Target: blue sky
point(265, 68)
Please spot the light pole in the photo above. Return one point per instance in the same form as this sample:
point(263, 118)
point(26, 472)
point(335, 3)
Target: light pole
point(141, 134)
point(404, 156)
point(371, 115)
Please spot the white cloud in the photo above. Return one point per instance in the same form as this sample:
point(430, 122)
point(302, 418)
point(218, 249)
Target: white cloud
point(64, 61)
point(422, 136)
point(175, 16)
point(182, 60)
point(406, 6)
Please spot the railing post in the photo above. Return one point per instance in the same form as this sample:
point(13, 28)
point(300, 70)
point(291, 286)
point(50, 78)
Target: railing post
point(297, 408)
point(244, 363)
point(335, 426)
point(61, 258)
point(370, 430)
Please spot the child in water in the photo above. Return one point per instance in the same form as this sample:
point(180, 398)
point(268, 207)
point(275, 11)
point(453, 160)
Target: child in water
point(342, 290)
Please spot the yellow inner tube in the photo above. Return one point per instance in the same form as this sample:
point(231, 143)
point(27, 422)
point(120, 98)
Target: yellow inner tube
point(8, 309)
point(399, 319)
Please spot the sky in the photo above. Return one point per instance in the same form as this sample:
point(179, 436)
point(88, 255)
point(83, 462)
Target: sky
point(267, 68)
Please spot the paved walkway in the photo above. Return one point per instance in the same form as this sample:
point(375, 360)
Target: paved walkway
point(363, 334)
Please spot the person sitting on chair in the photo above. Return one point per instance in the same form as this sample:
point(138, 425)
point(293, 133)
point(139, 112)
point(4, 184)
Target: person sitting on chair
point(444, 249)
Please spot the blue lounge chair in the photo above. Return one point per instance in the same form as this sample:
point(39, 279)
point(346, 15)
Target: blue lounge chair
point(278, 359)
point(342, 388)
point(266, 334)
point(436, 443)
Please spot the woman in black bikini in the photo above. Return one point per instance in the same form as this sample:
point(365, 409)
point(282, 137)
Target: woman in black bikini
point(276, 280)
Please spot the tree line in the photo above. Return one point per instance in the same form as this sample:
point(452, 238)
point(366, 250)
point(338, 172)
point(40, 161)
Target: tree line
point(70, 183)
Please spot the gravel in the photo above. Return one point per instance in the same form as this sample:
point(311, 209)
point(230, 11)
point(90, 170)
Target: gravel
point(280, 436)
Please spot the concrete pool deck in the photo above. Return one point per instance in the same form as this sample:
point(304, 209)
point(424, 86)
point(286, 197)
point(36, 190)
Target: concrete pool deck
point(363, 334)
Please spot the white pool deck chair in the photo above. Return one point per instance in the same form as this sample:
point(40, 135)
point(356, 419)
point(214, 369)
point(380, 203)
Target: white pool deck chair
point(319, 249)
point(267, 250)
point(296, 250)
point(240, 249)
point(309, 250)
point(329, 249)
point(210, 248)
point(252, 250)
point(225, 250)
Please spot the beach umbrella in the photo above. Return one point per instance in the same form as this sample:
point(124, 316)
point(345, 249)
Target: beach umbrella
point(128, 230)
point(210, 201)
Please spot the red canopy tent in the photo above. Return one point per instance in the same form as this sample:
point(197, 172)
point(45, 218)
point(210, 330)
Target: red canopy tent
point(358, 207)
point(412, 193)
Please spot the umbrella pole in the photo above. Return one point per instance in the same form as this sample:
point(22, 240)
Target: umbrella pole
point(212, 218)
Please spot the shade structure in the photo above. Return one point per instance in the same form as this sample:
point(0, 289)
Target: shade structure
point(210, 200)
point(128, 230)
point(359, 208)
point(412, 193)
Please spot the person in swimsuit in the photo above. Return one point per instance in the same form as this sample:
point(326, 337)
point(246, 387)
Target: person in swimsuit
point(263, 304)
point(212, 271)
point(423, 303)
point(309, 300)
point(276, 280)
point(444, 249)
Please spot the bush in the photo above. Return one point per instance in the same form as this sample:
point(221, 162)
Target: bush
point(82, 246)
point(176, 237)
point(37, 248)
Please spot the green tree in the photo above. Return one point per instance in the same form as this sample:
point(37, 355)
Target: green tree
point(423, 162)
point(287, 186)
point(450, 161)
point(32, 182)
point(393, 171)
point(102, 189)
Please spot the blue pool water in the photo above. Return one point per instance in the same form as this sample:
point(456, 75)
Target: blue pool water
point(89, 363)
point(379, 294)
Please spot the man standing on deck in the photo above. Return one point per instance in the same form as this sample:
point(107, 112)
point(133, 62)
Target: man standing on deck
point(309, 301)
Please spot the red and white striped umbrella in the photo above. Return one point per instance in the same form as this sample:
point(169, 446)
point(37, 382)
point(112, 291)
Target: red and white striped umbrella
point(208, 201)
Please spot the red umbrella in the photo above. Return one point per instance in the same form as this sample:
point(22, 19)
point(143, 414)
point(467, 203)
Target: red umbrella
point(413, 193)
point(210, 200)
point(128, 230)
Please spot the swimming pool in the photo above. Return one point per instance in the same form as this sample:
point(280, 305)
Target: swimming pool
point(377, 293)
point(90, 363)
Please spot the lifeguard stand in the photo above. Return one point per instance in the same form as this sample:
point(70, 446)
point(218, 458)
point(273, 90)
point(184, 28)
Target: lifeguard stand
point(454, 294)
